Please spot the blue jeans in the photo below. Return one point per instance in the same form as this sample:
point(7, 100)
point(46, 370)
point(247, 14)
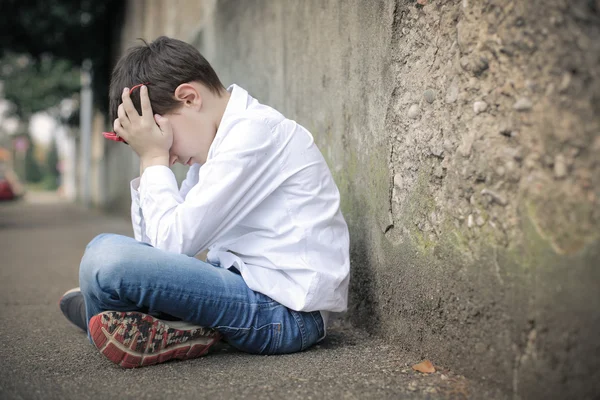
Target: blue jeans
point(121, 274)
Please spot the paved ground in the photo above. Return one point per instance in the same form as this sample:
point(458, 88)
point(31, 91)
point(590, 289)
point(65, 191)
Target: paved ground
point(43, 357)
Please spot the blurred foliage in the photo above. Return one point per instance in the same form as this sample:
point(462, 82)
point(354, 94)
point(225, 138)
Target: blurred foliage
point(33, 171)
point(52, 172)
point(56, 36)
point(38, 165)
point(36, 85)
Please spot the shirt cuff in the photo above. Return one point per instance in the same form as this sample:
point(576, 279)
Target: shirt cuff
point(156, 179)
point(135, 187)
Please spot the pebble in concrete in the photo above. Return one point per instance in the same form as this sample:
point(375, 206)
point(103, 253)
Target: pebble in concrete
point(452, 93)
point(398, 180)
point(496, 197)
point(560, 166)
point(413, 111)
point(565, 82)
point(437, 149)
point(429, 95)
point(523, 104)
point(479, 107)
point(480, 221)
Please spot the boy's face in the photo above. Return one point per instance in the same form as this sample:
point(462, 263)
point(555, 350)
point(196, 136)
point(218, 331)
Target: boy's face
point(193, 135)
point(195, 122)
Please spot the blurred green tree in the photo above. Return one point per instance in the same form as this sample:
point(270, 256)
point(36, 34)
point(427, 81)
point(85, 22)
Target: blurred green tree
point(35, 85)
point(52, 171)
point(45, 41)
point(33, 170)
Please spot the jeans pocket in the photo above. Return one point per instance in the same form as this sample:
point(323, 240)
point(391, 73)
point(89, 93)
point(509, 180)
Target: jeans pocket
point(309, 328)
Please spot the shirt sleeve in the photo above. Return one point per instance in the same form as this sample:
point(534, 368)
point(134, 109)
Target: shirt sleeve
point(137, 219)
point(241, 173)
point(191, 179)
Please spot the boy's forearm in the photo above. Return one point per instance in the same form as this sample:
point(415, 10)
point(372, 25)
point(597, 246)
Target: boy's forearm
point(152, 161)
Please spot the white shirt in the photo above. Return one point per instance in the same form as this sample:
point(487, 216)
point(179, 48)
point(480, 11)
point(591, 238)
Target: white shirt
point(264, 202)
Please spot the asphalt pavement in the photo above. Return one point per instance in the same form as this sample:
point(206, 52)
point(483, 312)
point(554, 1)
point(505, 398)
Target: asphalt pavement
point(43, 356)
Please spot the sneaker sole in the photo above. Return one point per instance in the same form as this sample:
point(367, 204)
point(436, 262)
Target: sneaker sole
point(134, 339)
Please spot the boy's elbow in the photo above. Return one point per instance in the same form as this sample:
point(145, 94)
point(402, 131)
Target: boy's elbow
point(174, 243)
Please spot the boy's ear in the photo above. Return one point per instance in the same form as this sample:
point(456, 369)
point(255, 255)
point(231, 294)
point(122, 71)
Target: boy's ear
point(188, 95)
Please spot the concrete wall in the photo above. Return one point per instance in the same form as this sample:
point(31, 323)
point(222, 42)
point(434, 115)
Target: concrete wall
point(465, 139)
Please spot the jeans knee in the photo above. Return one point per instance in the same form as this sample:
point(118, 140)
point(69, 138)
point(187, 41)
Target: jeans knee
point(99, 239)
point(104, 259)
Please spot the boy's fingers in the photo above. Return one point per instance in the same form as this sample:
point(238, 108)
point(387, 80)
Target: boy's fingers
point(145, 101)
point(120, 131)
point(128, 105)
point(163, 123)
point(117, 127)
point(122, 115)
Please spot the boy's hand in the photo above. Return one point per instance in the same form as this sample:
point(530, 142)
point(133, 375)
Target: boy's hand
point(150, 136)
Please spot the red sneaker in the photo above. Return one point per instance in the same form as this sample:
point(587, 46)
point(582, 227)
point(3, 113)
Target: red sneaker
point(134, 339)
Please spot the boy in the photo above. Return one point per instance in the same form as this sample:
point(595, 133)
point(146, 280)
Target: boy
point(258, 195)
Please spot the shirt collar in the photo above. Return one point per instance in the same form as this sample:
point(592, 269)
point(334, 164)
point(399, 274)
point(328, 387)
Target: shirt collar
point(238, 102)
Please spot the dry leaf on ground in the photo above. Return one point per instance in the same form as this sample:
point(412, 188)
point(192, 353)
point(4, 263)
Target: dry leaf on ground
point(425, 367)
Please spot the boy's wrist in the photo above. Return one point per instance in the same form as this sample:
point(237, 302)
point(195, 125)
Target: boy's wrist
point(153, 160)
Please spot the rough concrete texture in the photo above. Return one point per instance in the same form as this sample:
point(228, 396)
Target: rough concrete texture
point(465, 139)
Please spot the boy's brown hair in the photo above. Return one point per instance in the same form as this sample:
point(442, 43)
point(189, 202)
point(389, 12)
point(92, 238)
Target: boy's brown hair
point(163, 65)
